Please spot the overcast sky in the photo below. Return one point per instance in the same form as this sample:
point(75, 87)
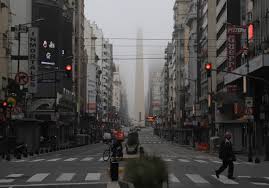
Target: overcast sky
point(121, 19)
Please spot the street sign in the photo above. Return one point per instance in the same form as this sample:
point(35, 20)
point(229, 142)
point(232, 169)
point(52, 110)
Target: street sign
point(249, 111)
point(22, 78)
point(249, 102)
point(33, 51)
point(11, 102)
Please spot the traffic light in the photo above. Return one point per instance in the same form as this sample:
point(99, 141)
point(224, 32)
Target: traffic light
point(68, 71)
point(208, 68)
point(4, 104)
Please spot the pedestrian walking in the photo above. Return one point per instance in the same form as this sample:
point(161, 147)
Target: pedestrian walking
point(227, 156)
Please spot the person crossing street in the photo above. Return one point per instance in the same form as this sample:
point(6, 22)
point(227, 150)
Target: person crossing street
point(227, 156)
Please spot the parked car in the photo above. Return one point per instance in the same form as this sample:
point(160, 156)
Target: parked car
point(132, 143)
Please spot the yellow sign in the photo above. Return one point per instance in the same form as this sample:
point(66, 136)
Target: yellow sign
point(11, 101)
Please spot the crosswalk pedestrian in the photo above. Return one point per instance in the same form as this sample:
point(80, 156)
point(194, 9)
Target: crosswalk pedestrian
point(65, 177)
point(37, 177)
point(70, 159)
point(196, 178)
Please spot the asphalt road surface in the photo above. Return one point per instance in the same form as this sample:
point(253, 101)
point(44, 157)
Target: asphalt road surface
point(189, 168)
point(84, 167)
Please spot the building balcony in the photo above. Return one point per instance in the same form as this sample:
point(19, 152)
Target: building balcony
point(219, 6)
point(259, 62)
point(221, 21)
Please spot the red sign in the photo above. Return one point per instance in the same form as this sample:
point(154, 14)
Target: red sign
point(231, 51)
point(22, 78)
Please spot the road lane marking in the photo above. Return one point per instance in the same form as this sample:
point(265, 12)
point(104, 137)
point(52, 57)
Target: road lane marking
point(237, 163)
point(38, 177)
point(101, 159)
point(70, 159)
point(225, 180)
point(173, 178)
point(53, 160)
point(196, 178)
point(167, 160)
point(200, 161)
point(14, 175)
point(243, 176)
point(37, 160)
point(266, 178)
point(55, 184)
point(19, 161)
point(260, 183)
point(184, 160)
point(66, 177)
point(6, 180)
point(93, 177)
point(219, 162)
point(87, 159)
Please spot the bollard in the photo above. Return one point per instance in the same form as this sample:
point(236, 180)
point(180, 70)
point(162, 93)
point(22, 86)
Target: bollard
point(114, 171)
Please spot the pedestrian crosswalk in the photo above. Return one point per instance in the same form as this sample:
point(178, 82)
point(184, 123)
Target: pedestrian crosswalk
point(196, 179)
point(166, 158)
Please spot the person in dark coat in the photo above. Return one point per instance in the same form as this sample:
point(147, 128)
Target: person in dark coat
point(227, 156)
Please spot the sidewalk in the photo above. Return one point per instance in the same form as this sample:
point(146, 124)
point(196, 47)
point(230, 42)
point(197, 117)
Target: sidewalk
point(240, 156)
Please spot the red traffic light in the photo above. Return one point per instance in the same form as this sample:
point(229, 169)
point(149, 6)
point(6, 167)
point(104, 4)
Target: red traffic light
point(68, 67)
point(4, 104)
point(208, 66)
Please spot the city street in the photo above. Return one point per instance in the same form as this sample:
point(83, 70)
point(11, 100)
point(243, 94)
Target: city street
point(188, 168)
point(82, 166)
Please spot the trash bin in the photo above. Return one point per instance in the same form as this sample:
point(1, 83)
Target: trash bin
point(114, 171)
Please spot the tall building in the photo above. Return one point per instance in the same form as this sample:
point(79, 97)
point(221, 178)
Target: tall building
point(180, 13)
point(206, 36)
point(139, 111)
point(190, 64)
point(116, 90)
point(79, 57)
point(4, 49)
point(92, 69)
point(104, 58)
point(250, 122)
point(155, 91)
point(53, 97)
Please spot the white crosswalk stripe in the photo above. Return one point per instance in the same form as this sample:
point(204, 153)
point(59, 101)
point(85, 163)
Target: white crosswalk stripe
point(196, 178)
point(184, 160)
point(218, 162)
point(19, 161)
point(87, 159)
point(70, 159)
point(54, 160)
point(38, 177)
point(225, 180)
point(260, 183)
point(14, 175)
point(37, 160)
point(168, 160)
point(6, 180)
point(201, 161)
point(173, 178)
point(66, 177)
point(93, 177)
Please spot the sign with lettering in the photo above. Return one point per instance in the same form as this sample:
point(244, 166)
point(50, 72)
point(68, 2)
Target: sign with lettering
point(33, 58)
